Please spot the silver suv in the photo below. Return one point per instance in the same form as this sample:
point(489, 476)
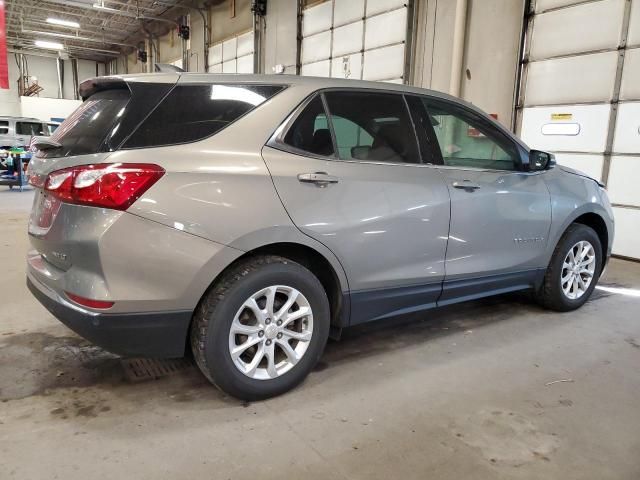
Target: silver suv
point(245, 218)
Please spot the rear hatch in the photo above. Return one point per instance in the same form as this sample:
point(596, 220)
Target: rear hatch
point(112, 109)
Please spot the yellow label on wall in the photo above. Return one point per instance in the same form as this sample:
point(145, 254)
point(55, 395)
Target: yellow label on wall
point(561, 116)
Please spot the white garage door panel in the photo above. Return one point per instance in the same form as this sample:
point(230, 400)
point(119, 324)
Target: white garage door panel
point(581, 79)
point(588, 164)
point(384, 63)
point(245, 44)
point(229, 48)
point(385, 29)
point(377, 6)
point(316, 47)
point(215, 54)
point(593, 121)
point(347, 11)
point(349, 68)
point(543, 5)
point(318, 69)
point(627, 136)
point(217, 68)
point(627, 236)
point(624, 178)
point(630, 87)
point(347, 39)
point(562, 32)
point(316, 19)
point(633, 38)
point(229, 67)
point(245, 64)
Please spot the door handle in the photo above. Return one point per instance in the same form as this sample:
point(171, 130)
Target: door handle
point(466, 185)
point(321, 179)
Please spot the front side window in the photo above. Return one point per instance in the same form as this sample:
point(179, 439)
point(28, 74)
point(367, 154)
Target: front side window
point(4, 127)
point(372, 126)
point(310, 130)
point(467, 140)
point(194, 112)
point(29, 128)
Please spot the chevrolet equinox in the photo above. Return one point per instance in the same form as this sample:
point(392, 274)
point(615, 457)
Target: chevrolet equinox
point(247, 217)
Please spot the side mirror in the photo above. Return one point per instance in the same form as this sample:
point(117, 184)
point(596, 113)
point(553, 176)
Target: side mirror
point(539, 160)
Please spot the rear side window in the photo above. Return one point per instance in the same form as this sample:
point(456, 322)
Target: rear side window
point(310, 131)
point(372, 126)
point(85, 130)
point(194, 112)
point(29, 128)
point(4, 127)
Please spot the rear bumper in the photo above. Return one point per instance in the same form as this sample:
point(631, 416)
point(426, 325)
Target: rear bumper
point(154, 334)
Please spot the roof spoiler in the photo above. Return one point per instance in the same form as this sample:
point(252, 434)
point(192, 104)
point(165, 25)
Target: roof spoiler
point(95, 85)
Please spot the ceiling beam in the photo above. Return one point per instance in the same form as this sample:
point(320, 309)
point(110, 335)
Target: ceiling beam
point(103, 32)
point(51, 10)
point(74, 37)
point(122, 13)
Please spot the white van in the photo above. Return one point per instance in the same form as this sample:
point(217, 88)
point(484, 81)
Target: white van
point(17, 131)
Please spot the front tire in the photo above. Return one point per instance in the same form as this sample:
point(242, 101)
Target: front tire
point(262, 328)
point(574, 270)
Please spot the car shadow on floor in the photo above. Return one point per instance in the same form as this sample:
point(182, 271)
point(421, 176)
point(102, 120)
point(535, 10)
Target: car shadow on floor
point(37, 363)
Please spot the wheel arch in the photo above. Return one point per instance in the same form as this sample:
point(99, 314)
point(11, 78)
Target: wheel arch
point(331, 278)
point(597, 223)
point(320, 266)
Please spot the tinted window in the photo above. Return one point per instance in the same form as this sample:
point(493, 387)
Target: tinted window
point(468, 140)
point(429, 148)
point(372, 126)
point(194, 112)
point(85, 130)
point(310, 131)
point(29, 128)
point(4, 127)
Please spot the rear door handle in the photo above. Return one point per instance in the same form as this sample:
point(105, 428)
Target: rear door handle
point(322, 179)
point(466, 185)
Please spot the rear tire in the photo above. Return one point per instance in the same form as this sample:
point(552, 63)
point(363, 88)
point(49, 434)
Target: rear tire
point(574, 270)
point(262, 328)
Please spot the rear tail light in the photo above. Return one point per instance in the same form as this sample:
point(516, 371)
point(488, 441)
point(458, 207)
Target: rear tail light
point(88, 302)
point(106, 185)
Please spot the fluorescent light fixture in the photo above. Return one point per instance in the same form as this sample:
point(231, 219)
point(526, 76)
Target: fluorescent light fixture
point(63, 23)
point(101, 6)
point(50, 45)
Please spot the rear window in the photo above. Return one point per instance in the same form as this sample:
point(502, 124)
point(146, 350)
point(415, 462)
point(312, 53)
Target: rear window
point(194, 112)
point(85, 130)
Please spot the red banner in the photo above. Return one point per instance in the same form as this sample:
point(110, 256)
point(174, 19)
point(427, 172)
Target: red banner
point(4, 67)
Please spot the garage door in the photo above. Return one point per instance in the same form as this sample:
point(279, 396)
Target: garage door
point(582, 98)
point(233, 55)
point(360, 39)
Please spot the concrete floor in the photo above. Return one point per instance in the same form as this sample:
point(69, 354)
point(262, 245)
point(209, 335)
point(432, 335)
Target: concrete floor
point(463, 393)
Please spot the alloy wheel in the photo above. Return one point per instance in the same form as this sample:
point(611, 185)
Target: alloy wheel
point(578, 270)
point(271, 332)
